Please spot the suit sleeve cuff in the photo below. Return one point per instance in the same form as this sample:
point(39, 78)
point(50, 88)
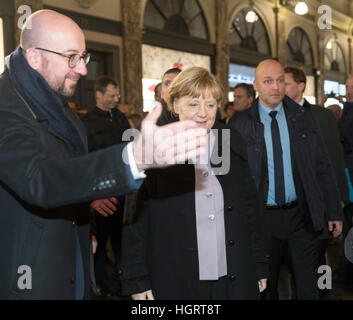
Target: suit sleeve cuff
point(134, 171)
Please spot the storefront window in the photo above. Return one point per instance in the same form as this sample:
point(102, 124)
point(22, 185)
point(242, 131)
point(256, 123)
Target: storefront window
point(2, 57)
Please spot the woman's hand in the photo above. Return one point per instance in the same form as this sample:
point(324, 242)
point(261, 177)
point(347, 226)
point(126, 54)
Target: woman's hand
point(147, 295)
point(262, 284)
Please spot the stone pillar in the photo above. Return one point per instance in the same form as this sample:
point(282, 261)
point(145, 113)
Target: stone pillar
point(275, 11)
point(350, 55)
point(321, 66)
point(21, 13)
point(222, 44)
point(132, 52)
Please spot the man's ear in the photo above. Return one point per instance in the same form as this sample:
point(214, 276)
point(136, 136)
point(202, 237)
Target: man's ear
point(98, 95)
point(254, 85)
point(33, 58)
point(302, 86)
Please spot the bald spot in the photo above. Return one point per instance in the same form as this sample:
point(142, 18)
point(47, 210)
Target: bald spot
point(266, 67)
point(52, 30)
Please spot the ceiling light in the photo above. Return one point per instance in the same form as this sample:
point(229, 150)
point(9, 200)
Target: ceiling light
point(251, 16)
point(301, 8)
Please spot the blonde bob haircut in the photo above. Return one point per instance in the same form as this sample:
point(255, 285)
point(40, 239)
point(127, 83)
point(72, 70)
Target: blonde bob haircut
point(194, 82)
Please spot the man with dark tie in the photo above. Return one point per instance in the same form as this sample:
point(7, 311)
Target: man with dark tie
point(291, 169)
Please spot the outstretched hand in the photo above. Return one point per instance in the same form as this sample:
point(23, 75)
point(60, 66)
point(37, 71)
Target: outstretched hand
point(160, 146)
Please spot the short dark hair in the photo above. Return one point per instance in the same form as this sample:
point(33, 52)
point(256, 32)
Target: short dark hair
point(228, 104)
point(298, 74)
point(248, 88)
point(102, 83)
point(172, 70)
point(157, 87)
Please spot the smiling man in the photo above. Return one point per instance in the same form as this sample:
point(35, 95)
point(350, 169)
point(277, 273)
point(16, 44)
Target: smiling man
point(293, 174)
point(46, 174)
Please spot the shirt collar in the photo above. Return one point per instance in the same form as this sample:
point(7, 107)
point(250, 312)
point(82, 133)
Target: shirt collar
point(302, 102)
point(266, 111)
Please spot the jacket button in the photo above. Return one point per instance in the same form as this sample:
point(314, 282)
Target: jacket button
point(230, 208)
point(231, 243)
point(120, 271)
point(72, 280)
point(232, 277)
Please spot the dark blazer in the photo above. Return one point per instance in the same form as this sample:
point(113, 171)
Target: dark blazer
point(315, 184)
point(104, 129)
point(42, 189)
point(159, 250)
point(330, 133)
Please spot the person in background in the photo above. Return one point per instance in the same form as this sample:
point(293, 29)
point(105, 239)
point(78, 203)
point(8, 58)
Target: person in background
point(293, 174)
point(105, 126)
point(157, 92)
point(337, 111)
point(195, 234)
point(244, 95)
point(228, 110)
point(167, 79)
point(127, 109)
point(295, 82)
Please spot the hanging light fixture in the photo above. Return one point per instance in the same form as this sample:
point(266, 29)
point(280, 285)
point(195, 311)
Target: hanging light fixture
point(251, 16)
point(301, 8)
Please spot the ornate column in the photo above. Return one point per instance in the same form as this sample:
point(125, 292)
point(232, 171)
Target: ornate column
point(222, 43)
point(350, 55)
point(132, 52)
point(275, 11)
point(21, 13)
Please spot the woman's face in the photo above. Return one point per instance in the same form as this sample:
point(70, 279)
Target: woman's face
point(202, 110)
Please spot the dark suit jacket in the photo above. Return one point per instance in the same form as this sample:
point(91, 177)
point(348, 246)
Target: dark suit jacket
point(329, 130)
point(159, 250)
point(103, 129)
point(42, 189)
point(314, 179)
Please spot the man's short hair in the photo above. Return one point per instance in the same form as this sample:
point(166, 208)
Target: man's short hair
point(250, 92)
point(298, 74)
point(102, 83)
point(172, 70)
point(228, 104)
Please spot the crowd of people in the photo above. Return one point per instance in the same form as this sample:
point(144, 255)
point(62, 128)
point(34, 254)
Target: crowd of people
point(196, 206)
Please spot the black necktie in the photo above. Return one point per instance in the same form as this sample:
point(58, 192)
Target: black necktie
point(277, 160)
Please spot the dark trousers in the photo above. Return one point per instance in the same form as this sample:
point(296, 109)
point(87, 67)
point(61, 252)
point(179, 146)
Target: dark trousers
point(345, 269)
point(210, 290)
point(286, 234)
point(105, 227)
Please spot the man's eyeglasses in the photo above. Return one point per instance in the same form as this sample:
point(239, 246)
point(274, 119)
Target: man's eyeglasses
point(74, 59)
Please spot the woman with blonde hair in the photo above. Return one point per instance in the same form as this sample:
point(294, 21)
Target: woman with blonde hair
point(194, 234)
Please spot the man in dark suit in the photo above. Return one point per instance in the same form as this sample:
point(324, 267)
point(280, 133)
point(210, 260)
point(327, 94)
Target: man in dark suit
point(291, 169)
point(167, 79)
point(46, 174)
point(105, 126)
point(295, 81)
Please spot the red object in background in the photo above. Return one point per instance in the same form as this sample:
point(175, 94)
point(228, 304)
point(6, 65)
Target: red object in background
point(178, 65)
point(152, 87)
